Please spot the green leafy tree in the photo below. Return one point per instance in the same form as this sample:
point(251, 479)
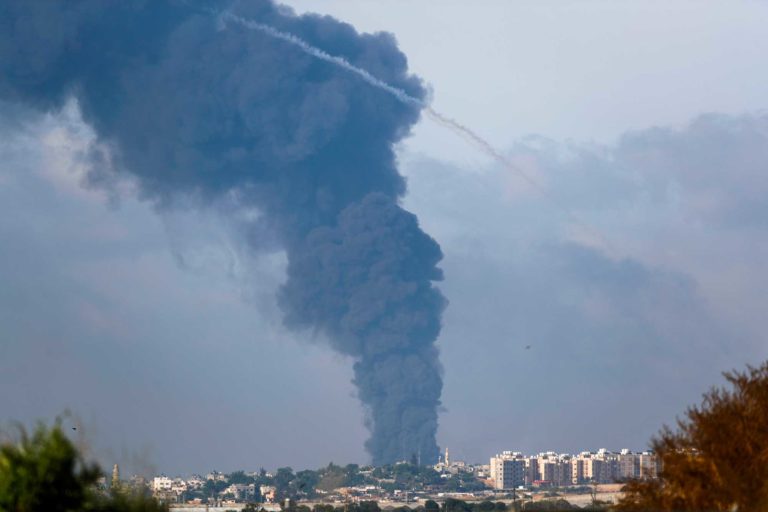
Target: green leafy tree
point(263, 479)
point(305, 482)
point(44, 472)
point(353, 476)
point(382, 472)
point(282, 482)
point(550, 505)
point(717, 458)
point(454, 505)
point(239, 477)
point(121, 501)
point(485, 506)
point(368, 506)
point(214, 487)
point(331, 477)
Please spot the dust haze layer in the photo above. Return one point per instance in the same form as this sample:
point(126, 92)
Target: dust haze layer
point(192, 109)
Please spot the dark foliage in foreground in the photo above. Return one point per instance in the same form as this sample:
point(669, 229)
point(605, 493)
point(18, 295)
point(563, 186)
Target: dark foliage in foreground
point(45, 472)
point(717, 459)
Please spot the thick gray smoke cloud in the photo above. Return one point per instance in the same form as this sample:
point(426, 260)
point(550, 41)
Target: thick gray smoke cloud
point(192, 110)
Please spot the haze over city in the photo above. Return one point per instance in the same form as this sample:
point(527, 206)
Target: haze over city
point(582, 312)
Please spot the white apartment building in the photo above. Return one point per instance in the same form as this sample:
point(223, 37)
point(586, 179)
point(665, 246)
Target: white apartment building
point(508, 470)
point(161, 483)
point(549, 468)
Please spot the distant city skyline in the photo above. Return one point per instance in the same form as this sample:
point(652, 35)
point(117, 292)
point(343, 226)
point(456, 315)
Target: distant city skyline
point(441, 464)
point(508, 475)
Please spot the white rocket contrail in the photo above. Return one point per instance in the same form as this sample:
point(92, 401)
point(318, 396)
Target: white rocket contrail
point(480, 143)
point(400, 94)
point(456, 127)
point(320, 54)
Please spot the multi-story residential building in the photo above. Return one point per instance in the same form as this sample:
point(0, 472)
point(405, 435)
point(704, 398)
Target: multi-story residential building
point(508, 470)
point(591, 468)
point(609, 470)
point(601, 467)
point(531, 470)
point(553, 469)
point(649, 465)
point(562, 474)
point(629, 464)
point(546, 471)
point(577, 470)
point(607, 467)
point(511, 469)
point(588, 467)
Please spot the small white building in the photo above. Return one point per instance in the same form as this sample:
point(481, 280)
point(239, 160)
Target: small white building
point(242, 492)
point(161, 483)
point(268, 493)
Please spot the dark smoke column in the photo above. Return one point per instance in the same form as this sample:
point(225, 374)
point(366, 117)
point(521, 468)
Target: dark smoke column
point(217, 115)
point(368, 283)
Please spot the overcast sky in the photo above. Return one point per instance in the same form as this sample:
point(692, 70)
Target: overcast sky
point(636, 276)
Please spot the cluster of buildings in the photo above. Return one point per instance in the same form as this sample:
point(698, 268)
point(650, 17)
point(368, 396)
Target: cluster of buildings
point(511, 470)
point(446, 465)
point(506, 471)
point(175, 490)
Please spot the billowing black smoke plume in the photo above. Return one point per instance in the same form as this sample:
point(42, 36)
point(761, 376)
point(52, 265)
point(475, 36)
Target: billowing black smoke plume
point(191, 107)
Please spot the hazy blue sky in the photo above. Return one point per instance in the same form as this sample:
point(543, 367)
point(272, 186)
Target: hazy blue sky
point(643, 119)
